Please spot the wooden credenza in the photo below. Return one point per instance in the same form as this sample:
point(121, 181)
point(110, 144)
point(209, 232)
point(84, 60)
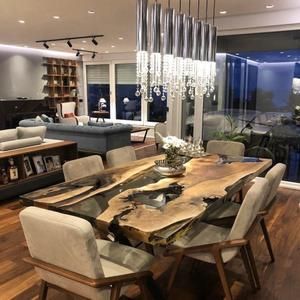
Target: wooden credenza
point(14, 110)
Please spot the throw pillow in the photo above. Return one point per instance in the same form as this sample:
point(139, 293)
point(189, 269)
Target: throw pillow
point(8, 135)
point(39, 119)
point(69, 115)
point(46, 119)
point(28, 132)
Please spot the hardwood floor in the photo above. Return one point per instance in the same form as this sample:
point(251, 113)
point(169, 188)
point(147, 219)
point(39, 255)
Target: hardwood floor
point(279, 281)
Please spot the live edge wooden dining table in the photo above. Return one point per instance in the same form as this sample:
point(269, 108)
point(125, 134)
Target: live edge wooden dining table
point(120, 200)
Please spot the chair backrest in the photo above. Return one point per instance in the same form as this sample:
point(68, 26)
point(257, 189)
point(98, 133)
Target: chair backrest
point(225, 148)
point(82, 167)
point(160, 131)
point(274, 176)
point(65, 108)
point(119, 156)
point(61, 240)
point(249, 209)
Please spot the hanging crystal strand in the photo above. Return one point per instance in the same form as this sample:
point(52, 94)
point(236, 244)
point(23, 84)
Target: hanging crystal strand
point(142, 48)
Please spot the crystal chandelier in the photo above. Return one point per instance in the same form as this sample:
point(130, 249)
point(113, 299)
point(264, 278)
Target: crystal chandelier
point(184, 64)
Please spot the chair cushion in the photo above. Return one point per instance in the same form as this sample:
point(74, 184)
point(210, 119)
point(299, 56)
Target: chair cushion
point(69, 115)
point(203, 234)
point(20, 143)
point(8, 135)
point(28, 132)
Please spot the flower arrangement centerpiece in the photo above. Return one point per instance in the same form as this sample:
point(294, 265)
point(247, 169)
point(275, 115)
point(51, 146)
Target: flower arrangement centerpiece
point(172, 165)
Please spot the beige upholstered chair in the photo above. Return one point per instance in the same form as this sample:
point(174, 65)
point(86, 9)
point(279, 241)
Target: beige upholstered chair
point(66, 255)
point(229, 210)
point(218, 245)
point(66, 114)
point(160, 131)
point(225, 148)
point(82, 167)
point(119, 156)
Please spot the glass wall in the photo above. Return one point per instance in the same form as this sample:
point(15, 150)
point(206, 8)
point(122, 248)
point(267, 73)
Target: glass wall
point(128, 106)
point(259, 106)
point(157, 110)
point(98, 87)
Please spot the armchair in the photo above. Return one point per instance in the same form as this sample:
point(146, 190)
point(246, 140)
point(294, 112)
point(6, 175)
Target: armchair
point(67, 256)
point(66, 114)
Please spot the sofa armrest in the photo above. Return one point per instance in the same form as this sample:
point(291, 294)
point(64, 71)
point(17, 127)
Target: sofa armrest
point(83, 119)
point(20, 143)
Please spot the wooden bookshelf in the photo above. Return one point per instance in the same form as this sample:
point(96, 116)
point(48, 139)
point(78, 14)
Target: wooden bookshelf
point(61, 79)
point(66, 150)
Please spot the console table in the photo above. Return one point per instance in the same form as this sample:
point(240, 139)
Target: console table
point(66, 150)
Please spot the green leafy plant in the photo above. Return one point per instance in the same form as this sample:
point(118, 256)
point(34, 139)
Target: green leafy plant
point(232, 134)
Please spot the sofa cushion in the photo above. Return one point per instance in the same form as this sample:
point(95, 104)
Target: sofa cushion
point(20, 143)
point(8, 135)
point(46, 119)
point(28, 132)
point(99, 124)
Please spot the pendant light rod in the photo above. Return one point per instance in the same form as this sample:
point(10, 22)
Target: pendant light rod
point(198, 7)
point(214, 12)
point(180, 6)
point(206, 13)
point(169, 3)
point(189, 7)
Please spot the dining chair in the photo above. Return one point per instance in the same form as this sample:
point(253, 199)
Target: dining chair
point(219, 245)
point(82, 167)
point(67, 256)
point(119, 156)
point(160, 131)
point(228, 210)
point(225, 148)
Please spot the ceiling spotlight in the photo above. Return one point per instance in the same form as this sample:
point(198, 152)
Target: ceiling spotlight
point(94, 41)
point(113, 46)
point(269, 6)
point(53, 44)
point(46, 45)
point(121, 38)
point(106, 51)
point(223, 12)
point(69, 44)
point(78, 53)
point(56, 17)
point(94, 55)
point(21, 21)
point(84, 42)
point(91, 12)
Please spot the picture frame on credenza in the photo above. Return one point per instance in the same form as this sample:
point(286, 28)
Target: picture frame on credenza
point(27, 166)
point(39, 164)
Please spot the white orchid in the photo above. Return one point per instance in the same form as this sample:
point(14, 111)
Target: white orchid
point(173, 141)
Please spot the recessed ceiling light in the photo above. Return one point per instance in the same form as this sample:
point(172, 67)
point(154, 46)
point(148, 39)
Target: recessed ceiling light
point(56, 17)
point(81, 48)
point(106, 51)
point(21, 21)
point(91, 12)
point(269, 6)
point(223, 12)
point(113, 46)
point(84, 42)
point(121, 38)
point(53, 44)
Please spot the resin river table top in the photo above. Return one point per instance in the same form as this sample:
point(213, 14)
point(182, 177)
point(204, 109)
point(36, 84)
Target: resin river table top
point(134, 201)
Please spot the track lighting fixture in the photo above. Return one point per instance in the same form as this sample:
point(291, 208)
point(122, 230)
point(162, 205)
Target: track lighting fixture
point(46, 45)
point(78, 53)
point(94, 41)
point(69, 44)
point(94, 55)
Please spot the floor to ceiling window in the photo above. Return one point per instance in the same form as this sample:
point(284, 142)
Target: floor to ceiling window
point(98, 87)
point(128, 106)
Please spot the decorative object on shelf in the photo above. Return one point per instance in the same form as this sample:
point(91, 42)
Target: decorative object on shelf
point(48, 161)
point(56, 162)
point(172, 165)
point(188, 64)
point(27, 166)
point(12, 170)
point(39, 164)
point(296, 86)
point(126, 100)
point(101, 104)
point(4, 178)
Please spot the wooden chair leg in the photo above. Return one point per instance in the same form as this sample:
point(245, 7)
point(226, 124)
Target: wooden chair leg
point(222, 274)
point(178, 260)
point(267, 238)
point(156, 144)
point(43, 290)
point(253, 265)
point(115, 292)
point(248, 268)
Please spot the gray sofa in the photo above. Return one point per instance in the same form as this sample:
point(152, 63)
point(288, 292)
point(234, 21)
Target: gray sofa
point(95, 139)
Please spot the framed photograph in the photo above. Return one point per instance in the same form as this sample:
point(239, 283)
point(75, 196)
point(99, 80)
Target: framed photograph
point(27, 166)
point(56, 162)
point(39, 164)
point(48, 160)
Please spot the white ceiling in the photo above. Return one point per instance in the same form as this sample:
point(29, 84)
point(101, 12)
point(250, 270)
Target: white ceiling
point(113, 18)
